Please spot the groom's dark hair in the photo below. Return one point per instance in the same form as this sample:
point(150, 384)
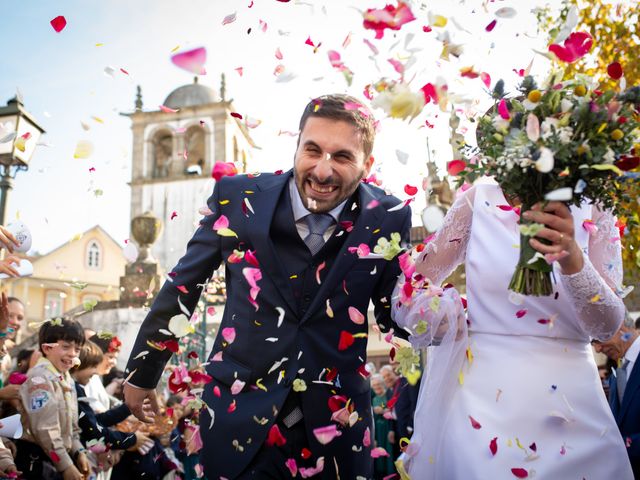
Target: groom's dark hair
point(355, 113)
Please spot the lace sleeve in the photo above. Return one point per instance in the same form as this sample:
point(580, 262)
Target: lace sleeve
point(594, 289)
point(448, 248)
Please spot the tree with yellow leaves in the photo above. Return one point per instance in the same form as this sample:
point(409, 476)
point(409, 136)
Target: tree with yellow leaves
point(615, 28)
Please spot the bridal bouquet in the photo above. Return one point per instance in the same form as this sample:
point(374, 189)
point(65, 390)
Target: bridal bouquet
point(566, 141)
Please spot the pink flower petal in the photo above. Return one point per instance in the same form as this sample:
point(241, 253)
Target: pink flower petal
point(576, 46)
point(379, 452)
point(318, 270)
point(486, 79)
point(291, 464)
point(229, 18)
point(590, 226)
point(192, 60)
point(355, 316)
point(167, 109)
point(503, 110)
point(325, 435)
point(223, 169)
point(519, 472)
point(221, 222)
point(491, 25)
point(229, 334)
point(310, 472)
point(521, 313)
point(366, 441)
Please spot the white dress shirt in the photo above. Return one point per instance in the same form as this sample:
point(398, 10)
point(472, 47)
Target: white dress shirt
point(300, 212)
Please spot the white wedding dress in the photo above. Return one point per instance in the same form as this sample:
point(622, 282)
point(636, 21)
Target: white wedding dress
point(518, 395)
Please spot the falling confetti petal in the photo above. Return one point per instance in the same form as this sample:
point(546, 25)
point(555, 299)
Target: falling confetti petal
point(192, 60)
point(84, 149)
point(59, 23)
point(229, 18)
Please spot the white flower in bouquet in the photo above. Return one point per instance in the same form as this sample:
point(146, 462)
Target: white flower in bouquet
point(545, 162)
point(565, 134)
point(609, 157)
point(500, 123)
point(566, 105)
point(548, 126)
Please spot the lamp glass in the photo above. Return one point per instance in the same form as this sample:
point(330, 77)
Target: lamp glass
point(7, 133)
point(24, 127)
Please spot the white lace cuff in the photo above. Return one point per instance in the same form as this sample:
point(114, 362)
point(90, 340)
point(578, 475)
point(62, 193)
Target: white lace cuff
point(599, 309)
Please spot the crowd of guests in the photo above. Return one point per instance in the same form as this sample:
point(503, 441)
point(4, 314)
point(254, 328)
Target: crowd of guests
point(75, 425)
point(68, 394)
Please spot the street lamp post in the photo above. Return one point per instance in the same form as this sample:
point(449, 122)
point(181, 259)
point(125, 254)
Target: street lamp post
point(19, 134)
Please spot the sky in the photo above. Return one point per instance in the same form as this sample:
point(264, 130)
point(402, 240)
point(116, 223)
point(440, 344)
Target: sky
point(62, 79)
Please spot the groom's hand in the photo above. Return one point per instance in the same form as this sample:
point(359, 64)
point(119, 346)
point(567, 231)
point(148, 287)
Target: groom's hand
point(142, 402)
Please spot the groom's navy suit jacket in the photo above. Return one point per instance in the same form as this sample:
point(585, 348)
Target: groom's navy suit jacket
point(627, 414)
point(301, 329)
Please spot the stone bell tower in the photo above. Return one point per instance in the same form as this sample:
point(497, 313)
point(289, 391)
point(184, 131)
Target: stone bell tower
point(172, 158)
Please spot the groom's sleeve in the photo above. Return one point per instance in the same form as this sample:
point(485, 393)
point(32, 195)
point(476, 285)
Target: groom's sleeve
point(203, 256)
point(383, 290)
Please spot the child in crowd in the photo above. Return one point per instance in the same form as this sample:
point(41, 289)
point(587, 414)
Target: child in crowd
point(95, 434)
point(50, 447)
point(7, 466)
point(110, 345)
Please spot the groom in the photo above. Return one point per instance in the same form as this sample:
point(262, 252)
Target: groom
point(290, 391)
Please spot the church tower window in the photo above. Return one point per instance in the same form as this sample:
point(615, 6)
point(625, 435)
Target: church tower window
point(162, 154)
point(195, 145)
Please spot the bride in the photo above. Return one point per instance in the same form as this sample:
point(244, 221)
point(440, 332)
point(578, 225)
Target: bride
point(513, 391)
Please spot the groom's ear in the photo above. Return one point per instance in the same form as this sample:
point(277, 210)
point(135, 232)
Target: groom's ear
point(368, 163)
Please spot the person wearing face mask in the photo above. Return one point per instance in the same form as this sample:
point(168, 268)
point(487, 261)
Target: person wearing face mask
point(97, 395)
point(50, 447)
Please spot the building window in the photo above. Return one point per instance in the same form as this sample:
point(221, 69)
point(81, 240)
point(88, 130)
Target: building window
point(54, 304)
point(162, 154)
point(94, 255)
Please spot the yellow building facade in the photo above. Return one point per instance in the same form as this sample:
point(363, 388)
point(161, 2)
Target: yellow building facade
point(59, 277)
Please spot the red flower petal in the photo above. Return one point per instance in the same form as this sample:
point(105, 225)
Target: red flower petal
point(627, 163)
point(454, 167)
point(520, 472)
point(236, 115)
point(346, 340)
point(533, 447)
point(410, 190)
point(54, 456)
point(305, 453)
point(521, 313)
point(576, 46)
point(59, 23)
point(493, 446)
point(615, 70)
point(275, 437)
point(474, 423)
point(183, 289)
point(491, 26)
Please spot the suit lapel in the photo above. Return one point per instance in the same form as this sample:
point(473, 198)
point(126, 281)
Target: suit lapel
point(632, 385)
point(366, 223)
point(264, 202)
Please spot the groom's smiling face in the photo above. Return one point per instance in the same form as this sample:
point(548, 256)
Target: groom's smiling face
point(329, 163)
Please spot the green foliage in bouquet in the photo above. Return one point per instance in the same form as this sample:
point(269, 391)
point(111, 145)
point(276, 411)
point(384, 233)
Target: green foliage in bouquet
point(564, 141)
